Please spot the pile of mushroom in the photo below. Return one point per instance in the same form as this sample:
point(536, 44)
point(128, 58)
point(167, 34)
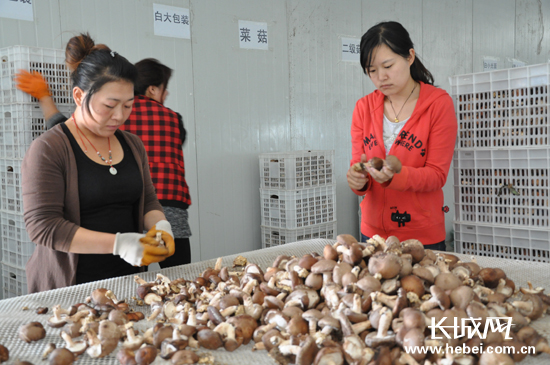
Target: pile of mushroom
point(355, 303)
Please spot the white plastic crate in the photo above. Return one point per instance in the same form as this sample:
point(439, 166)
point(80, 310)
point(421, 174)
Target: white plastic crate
point(20, 124)
point(481, 194)
point(296, 169)
point(14, 281)
point(503, 242)
point(17, 247)
point(49, 62)
point(11, 198)
point(298, 208)
point(277, 236)
point(503, 108)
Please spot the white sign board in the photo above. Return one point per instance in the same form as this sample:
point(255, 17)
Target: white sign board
point(253, 35)
point(171, 21)
point(350, 49)
point(490, 63)
point(517, 63)
point(16, 9)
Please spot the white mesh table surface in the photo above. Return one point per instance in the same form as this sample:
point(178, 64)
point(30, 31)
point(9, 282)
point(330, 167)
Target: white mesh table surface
point(12, 315)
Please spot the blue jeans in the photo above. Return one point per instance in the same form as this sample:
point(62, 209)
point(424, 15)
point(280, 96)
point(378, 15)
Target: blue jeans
point(440, 246)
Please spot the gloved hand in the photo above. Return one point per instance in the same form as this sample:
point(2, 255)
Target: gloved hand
point(166, 235)
point(32, 83)
point(130, 247)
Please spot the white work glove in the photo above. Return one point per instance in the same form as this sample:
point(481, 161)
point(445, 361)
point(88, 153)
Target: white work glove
point(131, 248)
point(166, 234)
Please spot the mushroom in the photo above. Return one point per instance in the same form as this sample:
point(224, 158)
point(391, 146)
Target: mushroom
point(329, 356)
point(145, 355)
point(439, 299)
point(462, 296)
point(447, 281)
point(4, 354)
point(177, 342)
point(305, 352)
point(33, 331)
point(48, 350)
point(491, 276)
point(61, 356)
point(209, 339)
point(324, 267)
point(393, 163)
point(414, 284)
point(353, 345)
point(381, 337)
point(227, 333)
point(57, 321)
point(386, 265)
point(76, 347)
point(184, 357)
point(133, 341)
point(126, 356)
point(312, 316)
point(415, 248)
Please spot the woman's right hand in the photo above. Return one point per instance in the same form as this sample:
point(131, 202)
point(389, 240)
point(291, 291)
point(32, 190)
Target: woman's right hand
point(357, 179)
point(130, 247)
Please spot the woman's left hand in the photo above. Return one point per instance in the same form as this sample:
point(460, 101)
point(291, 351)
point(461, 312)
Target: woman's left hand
point(382, 176)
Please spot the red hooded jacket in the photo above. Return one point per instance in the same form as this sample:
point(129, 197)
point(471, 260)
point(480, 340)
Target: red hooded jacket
point(411, 204)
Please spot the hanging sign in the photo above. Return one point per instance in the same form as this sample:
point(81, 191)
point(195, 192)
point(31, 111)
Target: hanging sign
point(16, 9)
point(171, 21)
point(253, 35)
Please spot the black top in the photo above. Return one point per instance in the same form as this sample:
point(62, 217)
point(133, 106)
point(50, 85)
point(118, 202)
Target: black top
point(108, 203)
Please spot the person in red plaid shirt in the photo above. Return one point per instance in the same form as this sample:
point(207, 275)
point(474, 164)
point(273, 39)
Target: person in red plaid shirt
point(162, 132)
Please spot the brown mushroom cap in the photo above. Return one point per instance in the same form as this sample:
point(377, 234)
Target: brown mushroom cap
point(462, 296)
point(323, 266)
point(4, 353)
point(491, 276)
point(415, 248)
point(307, 261)
point(387, 265)
point(184, 357)
point(33, 331)
point(61, 356)
point(447, 281)
point(246, 324)
point(146, 355)
point(412, 283)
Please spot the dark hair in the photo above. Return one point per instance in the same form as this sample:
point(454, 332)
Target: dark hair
point(396, 37)
point(92, 66)
point(151, 72)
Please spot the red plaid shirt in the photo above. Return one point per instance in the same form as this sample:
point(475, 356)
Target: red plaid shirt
point(162, 133)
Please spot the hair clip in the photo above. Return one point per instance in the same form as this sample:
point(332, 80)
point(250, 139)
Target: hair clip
point(113, 53)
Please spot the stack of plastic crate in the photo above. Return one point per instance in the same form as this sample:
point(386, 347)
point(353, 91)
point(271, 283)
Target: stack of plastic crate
point(298, 196)
point(502, 163)
point(22, 121)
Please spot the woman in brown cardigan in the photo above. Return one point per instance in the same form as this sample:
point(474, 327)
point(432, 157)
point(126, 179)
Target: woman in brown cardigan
point(86, 185)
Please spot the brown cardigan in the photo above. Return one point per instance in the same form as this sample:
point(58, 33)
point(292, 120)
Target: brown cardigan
point(52, 209)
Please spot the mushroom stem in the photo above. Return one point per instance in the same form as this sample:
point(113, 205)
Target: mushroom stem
point(384, 322)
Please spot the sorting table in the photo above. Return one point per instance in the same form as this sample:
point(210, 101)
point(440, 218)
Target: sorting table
point(12, 314)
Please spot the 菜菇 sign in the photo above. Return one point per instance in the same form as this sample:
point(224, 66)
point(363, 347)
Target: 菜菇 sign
point(171, 21)
point(253, 35)
point(16, 9)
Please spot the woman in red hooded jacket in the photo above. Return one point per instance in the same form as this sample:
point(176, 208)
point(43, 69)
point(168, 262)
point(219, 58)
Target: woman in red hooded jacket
point(406, 116)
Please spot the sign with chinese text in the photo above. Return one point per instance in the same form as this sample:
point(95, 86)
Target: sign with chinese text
point(170, 21)
point(350, 49)
point(253, 35)
point(490, 63)
point(16, 9)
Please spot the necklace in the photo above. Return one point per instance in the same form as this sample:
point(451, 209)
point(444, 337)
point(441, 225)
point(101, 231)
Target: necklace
point(396, 120)
point(112, 170)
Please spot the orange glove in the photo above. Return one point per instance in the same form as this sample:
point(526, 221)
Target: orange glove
point(167, 236)
point(32, 83)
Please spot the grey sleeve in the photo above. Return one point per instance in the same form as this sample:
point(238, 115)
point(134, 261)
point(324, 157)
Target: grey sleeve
point(56, 119)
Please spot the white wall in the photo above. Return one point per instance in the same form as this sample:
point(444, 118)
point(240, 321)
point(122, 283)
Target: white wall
point(297, 95)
